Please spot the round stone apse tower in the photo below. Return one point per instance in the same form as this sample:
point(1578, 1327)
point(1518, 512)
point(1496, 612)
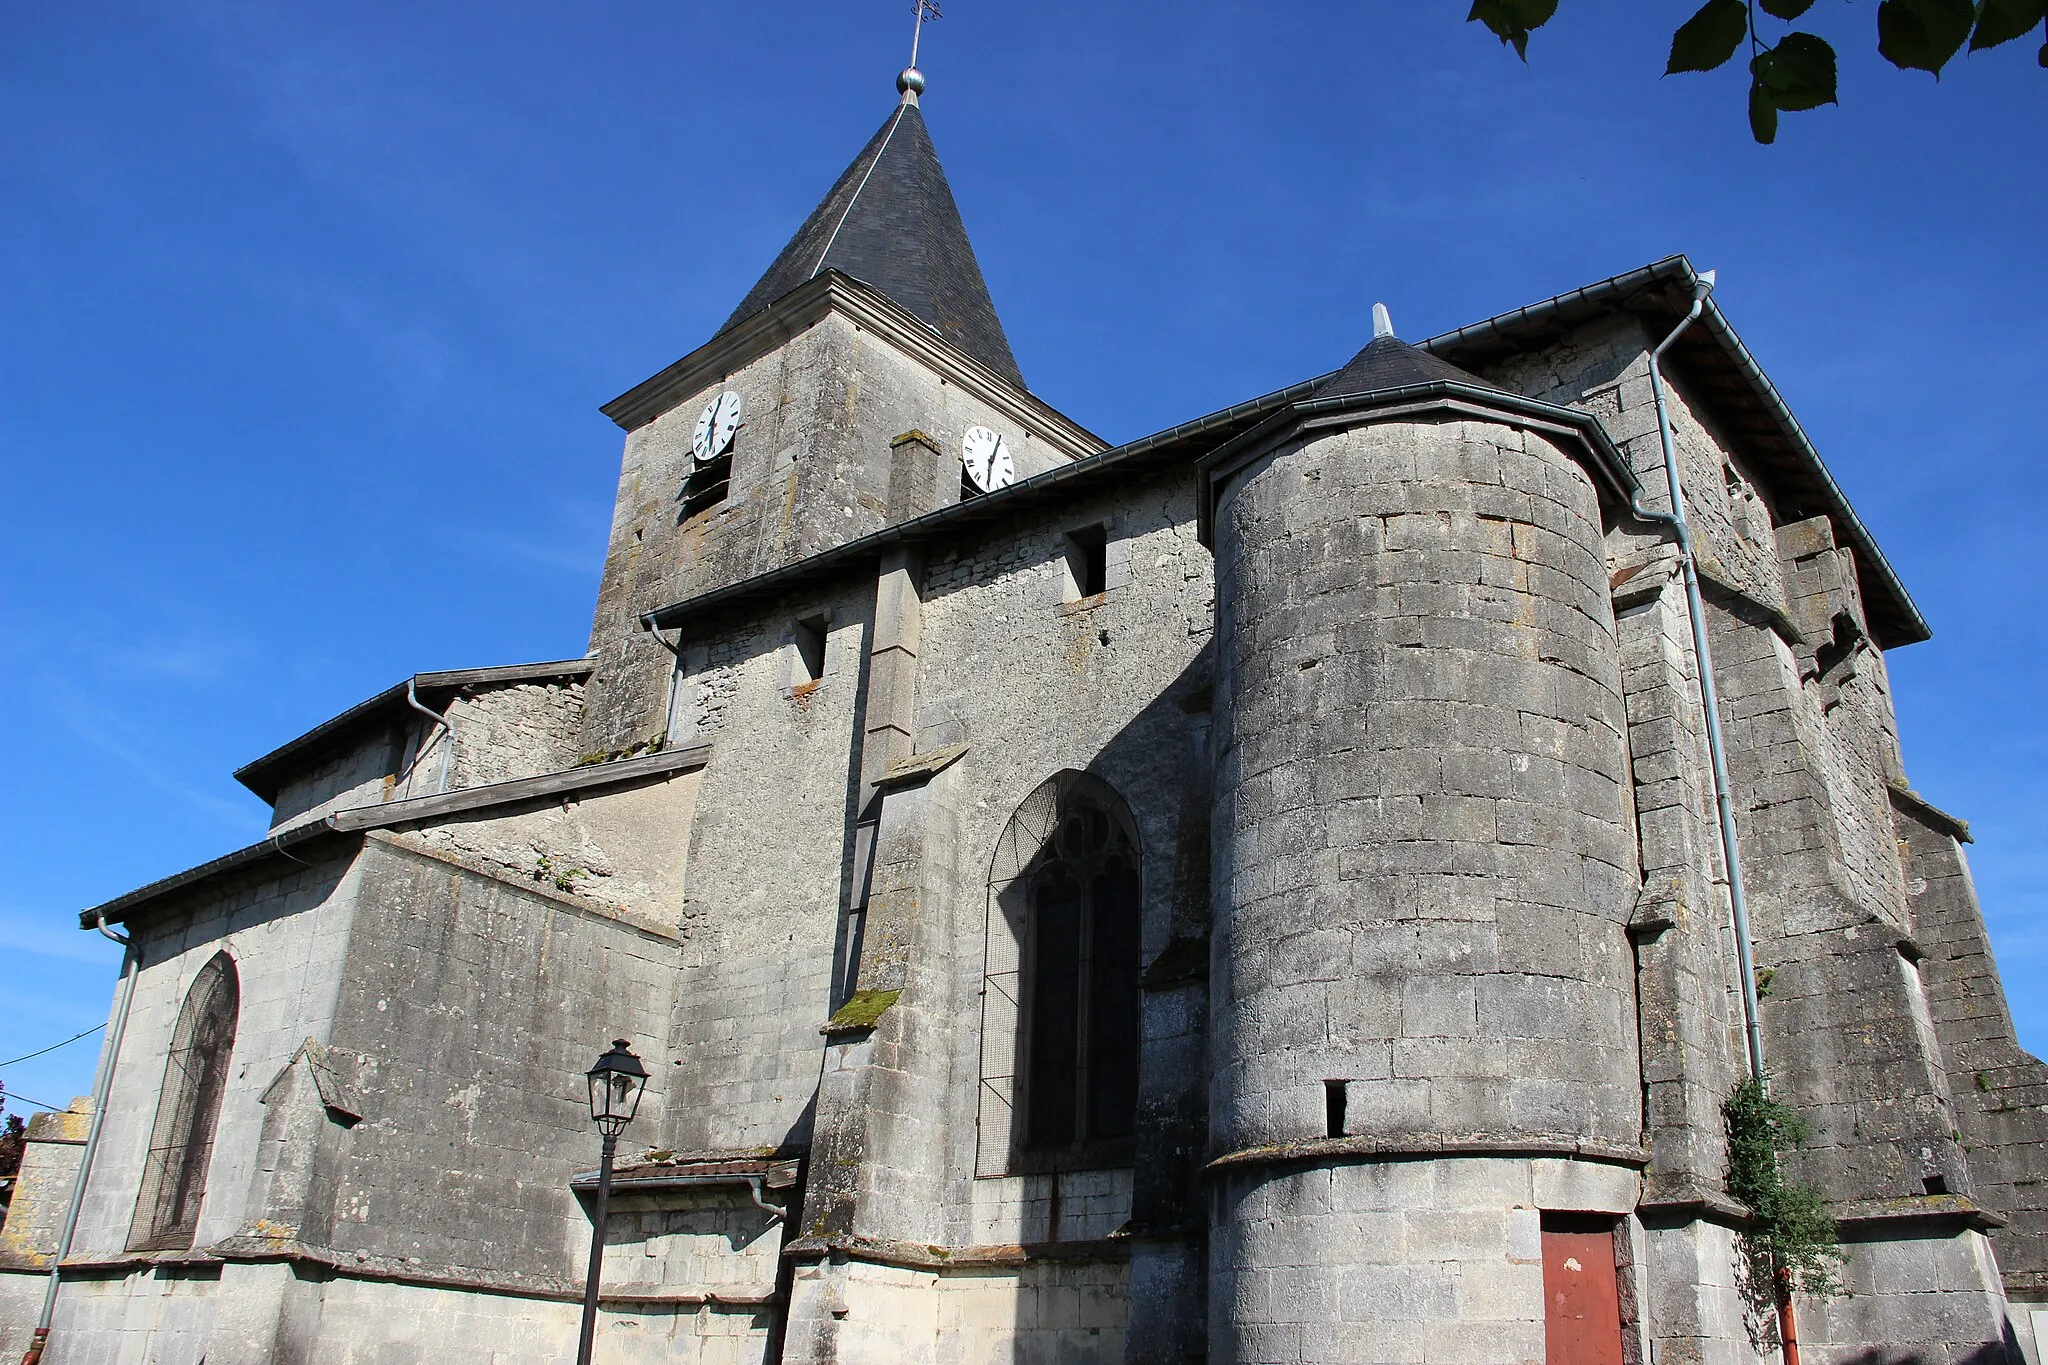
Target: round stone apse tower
point(1424, 1054)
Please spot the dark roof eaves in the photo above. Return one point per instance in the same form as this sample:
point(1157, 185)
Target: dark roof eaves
point(1579, 305)
point(783, 318)
point(1913, 627)
point(417, 810)
point(959, 515)
point(118, 910)
point(329, 732)
point(1477, 397)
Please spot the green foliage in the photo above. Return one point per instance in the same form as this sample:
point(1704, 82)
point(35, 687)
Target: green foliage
point(1511, 20)
point(1798, 72)
point(1921, 35)
point(1791, 1242)
point(547, 870)
point(1710, 37)
point(2001, 21)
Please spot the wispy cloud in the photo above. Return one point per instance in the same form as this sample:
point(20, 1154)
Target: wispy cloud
point(52, 934)
point(573, 557)
point(187, 660)
point(106, 730)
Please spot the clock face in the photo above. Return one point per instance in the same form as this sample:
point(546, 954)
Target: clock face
point(986, 460)
point(715, 427)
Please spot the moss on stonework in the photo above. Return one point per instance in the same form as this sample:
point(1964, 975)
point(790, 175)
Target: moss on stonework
point(861, 1011)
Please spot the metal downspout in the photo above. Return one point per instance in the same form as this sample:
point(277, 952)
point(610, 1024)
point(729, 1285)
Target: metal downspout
point(1717, 753)
point(102, 1084)
point(1710, 699)
point(412, 699)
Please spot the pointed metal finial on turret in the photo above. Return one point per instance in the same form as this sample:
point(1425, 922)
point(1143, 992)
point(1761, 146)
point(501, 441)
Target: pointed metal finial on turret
point(911, 81)
point(1382, 322)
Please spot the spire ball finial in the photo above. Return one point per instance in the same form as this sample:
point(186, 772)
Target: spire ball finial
point(1382, 322)
point(910, 83)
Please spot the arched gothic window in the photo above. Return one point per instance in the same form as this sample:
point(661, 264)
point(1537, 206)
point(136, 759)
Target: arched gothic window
point(181, 1142)
point(1060, 1023)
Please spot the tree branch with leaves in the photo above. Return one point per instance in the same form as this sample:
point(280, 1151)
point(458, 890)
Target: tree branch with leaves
point(1798, 71)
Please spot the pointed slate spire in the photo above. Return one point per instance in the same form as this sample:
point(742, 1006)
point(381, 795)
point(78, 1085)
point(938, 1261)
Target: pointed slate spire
point(1387, 362)
point(891, 223)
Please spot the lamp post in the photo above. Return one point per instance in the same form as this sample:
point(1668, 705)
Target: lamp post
point(615, 1085)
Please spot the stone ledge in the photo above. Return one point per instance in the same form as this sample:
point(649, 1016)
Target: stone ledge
point(918, 768)
point(1913, 803)
point(1424, 1147)
point(1690, 1202)
point(1869, 1219)
point(479, 867)
point(245, 1250)
point(925, 1256)
point(417, 809)
point(1719, 591)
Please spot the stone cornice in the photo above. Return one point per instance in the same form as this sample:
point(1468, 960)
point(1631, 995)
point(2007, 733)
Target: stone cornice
point(1436, 401)
point(1428, 1147)
point(259, 1250)
point(806, 305)
point(926, 1256)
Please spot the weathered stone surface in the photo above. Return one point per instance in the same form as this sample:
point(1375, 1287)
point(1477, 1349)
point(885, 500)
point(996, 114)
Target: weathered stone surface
point(1434, 920)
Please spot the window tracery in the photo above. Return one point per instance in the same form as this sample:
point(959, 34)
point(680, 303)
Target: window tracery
point(1060, 1017)
point(188, 1108)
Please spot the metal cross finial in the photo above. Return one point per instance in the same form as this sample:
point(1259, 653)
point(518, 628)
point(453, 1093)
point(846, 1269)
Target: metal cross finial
point(925, 9)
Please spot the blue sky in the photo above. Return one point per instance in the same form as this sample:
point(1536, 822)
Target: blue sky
point(308, 311)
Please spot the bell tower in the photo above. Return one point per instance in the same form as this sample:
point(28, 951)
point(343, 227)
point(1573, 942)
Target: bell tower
point(834, 401)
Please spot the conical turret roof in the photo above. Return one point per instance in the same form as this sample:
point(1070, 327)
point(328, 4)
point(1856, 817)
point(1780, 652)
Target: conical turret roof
point(1387, 362)
point(891, 223)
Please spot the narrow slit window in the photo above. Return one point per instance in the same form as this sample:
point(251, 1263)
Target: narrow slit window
point(807, 639)
point(188, 1108)
point(1087, 562)
point(1335, 1096)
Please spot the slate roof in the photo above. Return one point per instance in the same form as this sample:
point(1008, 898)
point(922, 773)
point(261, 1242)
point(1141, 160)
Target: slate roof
point(1391, 363)
point(891, 223)
point(1720, 370)
point(266, 775)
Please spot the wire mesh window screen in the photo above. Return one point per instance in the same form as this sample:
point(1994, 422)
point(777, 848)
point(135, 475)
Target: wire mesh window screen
point(188, 1107)
point(1059, 1046)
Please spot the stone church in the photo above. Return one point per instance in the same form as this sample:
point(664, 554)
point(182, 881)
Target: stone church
point(1253, 894)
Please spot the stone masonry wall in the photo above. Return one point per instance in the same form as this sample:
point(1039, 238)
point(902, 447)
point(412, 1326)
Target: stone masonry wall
point(811, 468)
point(1033, 682)
point(1813, 753)
point(287, 934)
point(760, 921)
point(42, 1187)
point(375, 768)
point(474, 1005)
point(625, 848)
point(2001, 1090)
point(1438, 1261)
point(518, 731)
point(521, 730)
point(1422, 819)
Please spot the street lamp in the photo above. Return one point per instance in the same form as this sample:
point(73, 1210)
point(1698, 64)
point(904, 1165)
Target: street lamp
point(615, 1085)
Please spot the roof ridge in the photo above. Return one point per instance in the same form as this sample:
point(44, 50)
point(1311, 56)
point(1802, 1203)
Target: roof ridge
point(890, 221)
point(894, 123)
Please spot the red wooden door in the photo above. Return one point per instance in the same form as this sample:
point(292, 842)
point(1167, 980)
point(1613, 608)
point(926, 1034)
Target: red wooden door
point(1581, 1300)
